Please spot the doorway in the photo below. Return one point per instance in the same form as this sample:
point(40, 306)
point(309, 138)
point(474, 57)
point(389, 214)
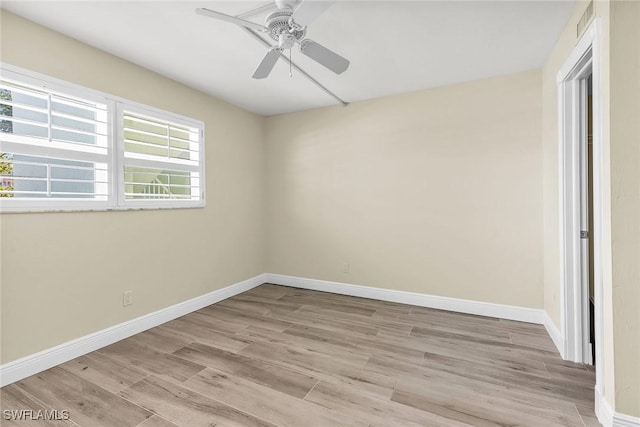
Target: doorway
point(581, 212)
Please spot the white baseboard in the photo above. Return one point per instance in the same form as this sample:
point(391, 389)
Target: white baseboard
point(623, 420)
point(608, 417)
point(554, 333)
point(522, 314)
point(38, 362)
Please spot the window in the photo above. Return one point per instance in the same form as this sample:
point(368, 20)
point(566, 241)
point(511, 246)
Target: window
point(68, 148)
point(54, 147)
point(161, 158)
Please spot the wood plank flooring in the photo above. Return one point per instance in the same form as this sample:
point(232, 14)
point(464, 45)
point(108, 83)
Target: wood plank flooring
point(278, 356)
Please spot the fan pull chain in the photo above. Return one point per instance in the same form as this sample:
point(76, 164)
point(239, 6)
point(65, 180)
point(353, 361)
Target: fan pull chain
point(290, 73)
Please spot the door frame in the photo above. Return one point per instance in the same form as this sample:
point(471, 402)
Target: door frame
point(583, 60)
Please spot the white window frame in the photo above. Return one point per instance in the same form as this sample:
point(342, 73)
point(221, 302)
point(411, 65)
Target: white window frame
point(9, 143)
point(115, 149)
point(158, 114)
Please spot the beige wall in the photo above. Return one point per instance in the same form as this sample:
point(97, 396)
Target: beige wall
point(437, 192)
point(625, 201)
point(63, 274)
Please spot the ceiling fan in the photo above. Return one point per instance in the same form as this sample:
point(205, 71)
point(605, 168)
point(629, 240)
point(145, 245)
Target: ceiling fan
point(288, 26)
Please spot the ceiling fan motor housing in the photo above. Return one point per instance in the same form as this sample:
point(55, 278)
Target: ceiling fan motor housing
point(278, 23)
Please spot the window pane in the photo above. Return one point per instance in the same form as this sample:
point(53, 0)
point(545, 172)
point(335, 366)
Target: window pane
point(24, 176)
point(157, 138)
point(71, 123)
point(22, 114)
point(148, 183)
point(23, 96)
point(23, 111)
point(78, 121)
point(70, 136)
point(72, 107)
point(71, 189)
point(32, 112)
point(27, 129)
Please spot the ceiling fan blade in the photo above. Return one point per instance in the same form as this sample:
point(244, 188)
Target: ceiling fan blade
point(324, 56)
point(308, 11)
point(267, 64)
point(228, 18)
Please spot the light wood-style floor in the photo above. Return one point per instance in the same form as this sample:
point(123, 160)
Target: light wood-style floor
point(278, 356)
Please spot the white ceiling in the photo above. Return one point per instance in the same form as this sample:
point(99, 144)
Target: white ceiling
point(394, 46)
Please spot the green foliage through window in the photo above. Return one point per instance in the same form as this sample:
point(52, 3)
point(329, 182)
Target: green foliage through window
point(6, 159)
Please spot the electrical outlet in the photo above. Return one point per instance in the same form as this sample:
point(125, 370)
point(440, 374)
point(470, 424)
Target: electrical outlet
point(345, 267)
point(127, 298)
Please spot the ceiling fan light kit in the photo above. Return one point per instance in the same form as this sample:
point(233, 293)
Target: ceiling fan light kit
point(287, 26)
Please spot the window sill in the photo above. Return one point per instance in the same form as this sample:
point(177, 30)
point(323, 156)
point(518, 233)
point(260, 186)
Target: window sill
point(33, 210)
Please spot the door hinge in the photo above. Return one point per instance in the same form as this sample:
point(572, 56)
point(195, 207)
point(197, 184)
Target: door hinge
point(584, 234)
